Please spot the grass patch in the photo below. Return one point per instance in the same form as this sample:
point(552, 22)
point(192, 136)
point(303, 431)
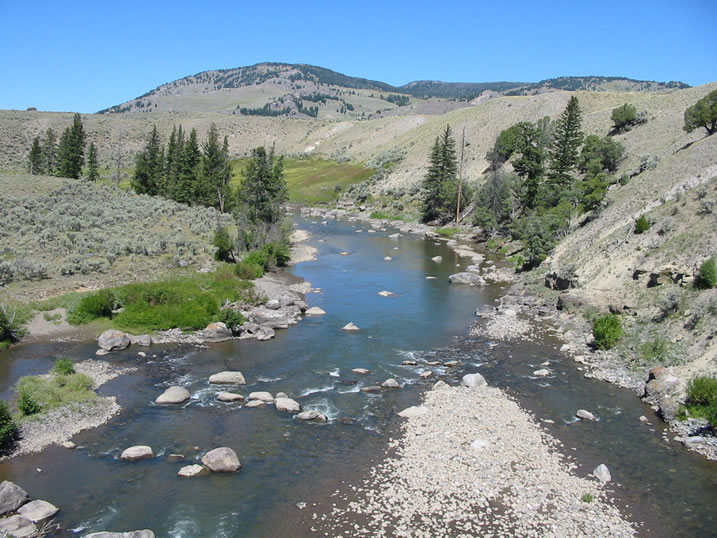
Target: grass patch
point(381, 215)
point(587, 498)
point(448, 231)
point(37, 394)
point(188, 303)
point(313, 181)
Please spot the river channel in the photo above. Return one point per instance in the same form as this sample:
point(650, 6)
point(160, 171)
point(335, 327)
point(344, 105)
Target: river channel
point(284, 462)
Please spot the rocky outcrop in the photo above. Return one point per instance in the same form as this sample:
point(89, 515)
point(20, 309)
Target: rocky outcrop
point(111, 340)
point(664, 389)
point(221, 460)
point(173, 395)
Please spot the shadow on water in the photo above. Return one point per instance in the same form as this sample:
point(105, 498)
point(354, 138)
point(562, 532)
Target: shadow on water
point(285, 462)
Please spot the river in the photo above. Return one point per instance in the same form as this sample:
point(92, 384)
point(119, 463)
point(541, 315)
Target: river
point(285, 462)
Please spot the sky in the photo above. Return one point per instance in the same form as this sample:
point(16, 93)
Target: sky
point(84, 56)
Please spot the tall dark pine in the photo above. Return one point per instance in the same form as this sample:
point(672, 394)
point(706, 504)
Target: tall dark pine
point(263, 188)
point(173, 162)
point(213, 186)
point(34, 158)
point(148, 171)
point(440, 178)
point(529, 166)
point(188, 170)
point(71, 152)
point(49, 152)
point(564, 151)
point(93, 171)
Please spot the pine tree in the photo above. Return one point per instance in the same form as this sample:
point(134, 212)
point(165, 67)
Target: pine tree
point(63, 154)
point(529, 166)
point(263, 188)
point(93, 172)
point(34, 158)
point(173, 162)
point(441, 178)
point(49, 152)
point(148, 171)
point(191, 158)
point(71, 152)
point(564, 150)
point(213, 186)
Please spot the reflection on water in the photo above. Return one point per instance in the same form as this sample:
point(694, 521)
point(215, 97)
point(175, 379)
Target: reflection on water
point(285, 462)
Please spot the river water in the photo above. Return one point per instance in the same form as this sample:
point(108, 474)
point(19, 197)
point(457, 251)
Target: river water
point(284, 462)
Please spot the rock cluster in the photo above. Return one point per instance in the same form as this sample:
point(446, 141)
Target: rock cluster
point(27, 513)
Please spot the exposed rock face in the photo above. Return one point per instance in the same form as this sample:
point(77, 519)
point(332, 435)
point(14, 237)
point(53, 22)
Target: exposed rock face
point(192, 471)
point(111, 340)
point(312, 415)
point(315, 311)
point(173, 395)
point(473, 381)
point(471, 279)
point(12, 497)
point(227, 378)
point(136, 453)
point(221, 460)
point(38, 510)
point(229, 397)
point(413, 411)
point(17, 526)
point(146, 533)
point(664, 389)
point(287, 404)
point(391, 383)
point(216, 332)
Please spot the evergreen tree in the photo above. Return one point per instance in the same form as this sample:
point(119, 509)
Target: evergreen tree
point(148, 171)
point(71, 152)
point(93, 172)
point(191, 157)
point(564, 150)
point(441, 178)
point(49, 152)
point(702, 114)
point(530, 165)
point(214, 183)
point(173, 162)
point(35, 160)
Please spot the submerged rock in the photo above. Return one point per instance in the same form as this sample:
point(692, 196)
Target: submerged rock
point(362, 371)
point(221, 460)
point(173, 395)
point(254, 403)
point(372, 389)
point(111, 340)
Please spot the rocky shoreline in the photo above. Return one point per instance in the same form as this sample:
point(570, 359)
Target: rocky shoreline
point(471, 462)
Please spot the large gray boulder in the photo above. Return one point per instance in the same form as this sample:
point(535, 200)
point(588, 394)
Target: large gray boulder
point(391, 383)
point(473, 381)
point(141, 340)
point(146, 533)
point(111, 340)
point(602, 473)
point(221, 460)
point(17, 526)
point(471, 279)
point(312, 415)
point(12, 497)
point(287, 404)
point(227, 378)
point(229, 397)
point(173, 395)
point(217, 332)
point(136, 453)
point(262, 396)
point(38, 510)
point(192, 471)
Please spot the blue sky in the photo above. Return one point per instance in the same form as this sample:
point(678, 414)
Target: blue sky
point(85, 56)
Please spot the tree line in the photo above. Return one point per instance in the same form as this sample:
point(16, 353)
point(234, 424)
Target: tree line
point(65, 158)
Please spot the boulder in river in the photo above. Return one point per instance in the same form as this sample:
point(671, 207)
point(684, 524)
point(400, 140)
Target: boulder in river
point(273, 304)
point(362, 371)
point(17, 526)
point(144, 340)
point(413, 411)
point(12, 497)
point(602, 473)
point(265, 333)
point(221, 460)
point(450, 364)
point(425, 374)
point(227, 378)
point(192, 471)
point(173, 395)
point(391, 383)
point(217, 332)
point(543, 372)
point(254, 403)
point(409, 362)
point(387, 258)
point(472, 279)
point(38, 510)
point(473, 381)
point(136, 453)
point(287, 404)
point(585, 415)
point(351, 326)
point(263, 396)
point(437, 259)
point(145, 533)
point(371, 389)
point(229, 397)
point(312, 415)
point(111, 340)
point(315, 311)
point(386, 293)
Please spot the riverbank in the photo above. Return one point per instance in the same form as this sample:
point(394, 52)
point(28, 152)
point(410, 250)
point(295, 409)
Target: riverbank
point(472, 462)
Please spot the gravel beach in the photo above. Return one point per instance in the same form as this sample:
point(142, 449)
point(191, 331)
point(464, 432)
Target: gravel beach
point(474, 464)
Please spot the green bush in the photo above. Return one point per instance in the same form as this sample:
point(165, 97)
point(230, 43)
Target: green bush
point(63, 366)
point(702, 398)
point(708, 274)
point(27, 404)
point(8, 429)
point(607, 331)
point(249, 270)
point(231, 318)
point(223, 244)
point(10, 330)
point(92, 306)
point(625, 116)
point(642, 225)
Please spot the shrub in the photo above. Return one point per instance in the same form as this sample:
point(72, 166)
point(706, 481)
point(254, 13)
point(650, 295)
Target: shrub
point(231, 318)
point(587, 498)
point(8, 429)
point(625, 116)
point(642, 225)
point(27, 404)
point(10, 330)
point(63, 366)
point(702, 398)
point(708, 274)
point(92, 306)
point(249, 270)
point(607, 331)
point(223, 244)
